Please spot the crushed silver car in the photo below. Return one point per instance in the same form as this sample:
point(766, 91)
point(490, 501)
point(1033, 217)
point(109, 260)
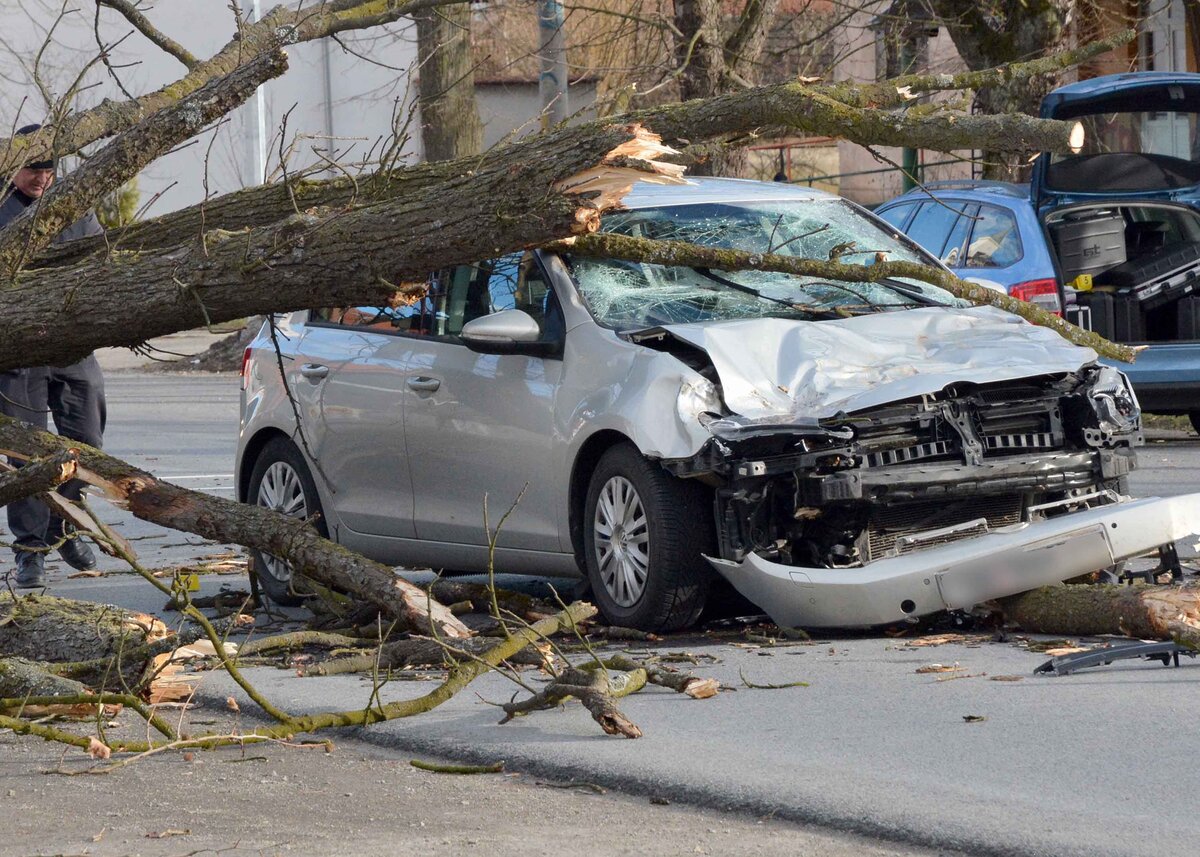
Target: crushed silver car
point(844, 454)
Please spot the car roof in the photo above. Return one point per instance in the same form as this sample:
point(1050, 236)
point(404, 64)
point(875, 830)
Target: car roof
point(977, 190)
point(1099, 87)
point(1110, 82)
point(700, 190)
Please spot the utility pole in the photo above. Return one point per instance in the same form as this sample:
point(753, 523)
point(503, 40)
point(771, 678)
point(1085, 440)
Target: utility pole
point(552, 83)
point(257, 138)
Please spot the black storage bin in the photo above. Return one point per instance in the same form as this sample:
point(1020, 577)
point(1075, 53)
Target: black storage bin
point(1090, 243)
point(1187, 319)
point(1128, 322)
point(1115, 317)
point(1137, 272)
point(1100, 305)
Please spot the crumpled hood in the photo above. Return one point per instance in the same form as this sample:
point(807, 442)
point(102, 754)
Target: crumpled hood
point(778, 370)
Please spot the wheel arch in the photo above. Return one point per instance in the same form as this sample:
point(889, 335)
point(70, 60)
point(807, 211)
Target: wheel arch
point(250, 454)
point(584, 466)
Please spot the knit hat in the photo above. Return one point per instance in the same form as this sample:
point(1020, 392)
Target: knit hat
point(35, 165)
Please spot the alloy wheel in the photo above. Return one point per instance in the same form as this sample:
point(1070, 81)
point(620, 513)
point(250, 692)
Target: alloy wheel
point(282, 491)
point(622, 541)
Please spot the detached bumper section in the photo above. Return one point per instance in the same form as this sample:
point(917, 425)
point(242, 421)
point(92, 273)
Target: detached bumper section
point(964, 573)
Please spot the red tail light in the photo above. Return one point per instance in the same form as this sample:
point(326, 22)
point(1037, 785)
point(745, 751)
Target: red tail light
point(1044, 293)
point(246, 367)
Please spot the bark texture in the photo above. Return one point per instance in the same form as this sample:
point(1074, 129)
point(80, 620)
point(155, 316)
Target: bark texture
point(1143, 612)
point(36, 477)
point(450, 124)
point(323, 257)
point(46, 628)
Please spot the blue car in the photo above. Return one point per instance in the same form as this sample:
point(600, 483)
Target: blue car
point(1119, 221)
point(981, 230)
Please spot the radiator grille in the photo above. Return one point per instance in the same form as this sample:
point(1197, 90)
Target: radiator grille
point(886, 524)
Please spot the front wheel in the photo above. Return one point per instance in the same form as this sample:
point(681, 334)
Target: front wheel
point(282, 482)
point(645, 533)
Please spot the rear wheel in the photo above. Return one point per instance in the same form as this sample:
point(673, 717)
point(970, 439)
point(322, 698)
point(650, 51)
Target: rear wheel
point(281, 481)
point(645, 533)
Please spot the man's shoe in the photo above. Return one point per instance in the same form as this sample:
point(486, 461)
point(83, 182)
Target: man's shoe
point(77, 554)
point(31, 572)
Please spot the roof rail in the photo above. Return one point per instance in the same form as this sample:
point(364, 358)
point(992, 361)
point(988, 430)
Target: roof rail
point(1009, 188)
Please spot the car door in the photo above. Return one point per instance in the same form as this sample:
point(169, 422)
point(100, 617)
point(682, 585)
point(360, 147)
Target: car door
point(482, 425)
point(349, 387)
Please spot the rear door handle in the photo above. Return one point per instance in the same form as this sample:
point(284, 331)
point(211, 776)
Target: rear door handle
point(314, 371)
point(423, 383)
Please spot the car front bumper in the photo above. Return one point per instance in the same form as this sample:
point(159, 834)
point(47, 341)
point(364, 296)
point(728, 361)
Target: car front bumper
point(967, 572)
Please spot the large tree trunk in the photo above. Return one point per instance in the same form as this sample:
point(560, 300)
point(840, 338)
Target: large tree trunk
point(1144, 612)
point(712, 61)
point(324, 258)
point(989, 34)
point(450, 124)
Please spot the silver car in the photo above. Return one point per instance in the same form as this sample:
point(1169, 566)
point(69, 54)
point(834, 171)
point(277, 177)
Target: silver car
point(844, 454)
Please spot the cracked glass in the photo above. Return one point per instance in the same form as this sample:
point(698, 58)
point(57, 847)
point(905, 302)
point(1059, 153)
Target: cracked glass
point(632, 295)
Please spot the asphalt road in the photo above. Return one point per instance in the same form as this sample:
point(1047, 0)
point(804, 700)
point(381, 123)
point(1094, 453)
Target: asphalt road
point(1095, 764)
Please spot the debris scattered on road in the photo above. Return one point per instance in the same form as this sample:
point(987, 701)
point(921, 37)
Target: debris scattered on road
point(974, 718)
point(768, 686)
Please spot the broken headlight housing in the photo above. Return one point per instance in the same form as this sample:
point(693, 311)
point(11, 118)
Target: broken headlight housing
point(697, 396)
point(1114, 402)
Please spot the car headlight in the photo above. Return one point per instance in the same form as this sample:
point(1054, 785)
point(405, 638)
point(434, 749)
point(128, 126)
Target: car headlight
point(696, 397)
point(1115, 403)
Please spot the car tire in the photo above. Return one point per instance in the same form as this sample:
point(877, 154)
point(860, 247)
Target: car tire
point(630, 503)
point(1194, 416)
point(282, 481)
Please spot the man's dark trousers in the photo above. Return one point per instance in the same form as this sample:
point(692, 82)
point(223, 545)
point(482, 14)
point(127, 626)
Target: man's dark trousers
point(75, 395)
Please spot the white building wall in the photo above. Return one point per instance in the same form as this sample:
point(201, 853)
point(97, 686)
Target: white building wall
point(332, 98)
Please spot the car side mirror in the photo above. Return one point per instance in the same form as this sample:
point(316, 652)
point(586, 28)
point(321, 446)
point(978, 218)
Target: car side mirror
point(510, 331)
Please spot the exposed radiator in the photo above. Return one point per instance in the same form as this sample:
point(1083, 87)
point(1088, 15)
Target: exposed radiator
point(888, 524)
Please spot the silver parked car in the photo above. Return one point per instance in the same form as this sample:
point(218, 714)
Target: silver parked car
point(845, 454)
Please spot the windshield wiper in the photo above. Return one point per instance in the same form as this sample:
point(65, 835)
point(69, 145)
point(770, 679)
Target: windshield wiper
point(738, 287)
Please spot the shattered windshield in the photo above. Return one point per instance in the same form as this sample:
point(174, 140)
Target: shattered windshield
point(632, 295)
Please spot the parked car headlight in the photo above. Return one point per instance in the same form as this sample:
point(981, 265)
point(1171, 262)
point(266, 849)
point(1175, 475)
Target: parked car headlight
point(1114, 401)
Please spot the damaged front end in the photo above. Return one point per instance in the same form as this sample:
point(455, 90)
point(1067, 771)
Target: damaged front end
point(939, 501)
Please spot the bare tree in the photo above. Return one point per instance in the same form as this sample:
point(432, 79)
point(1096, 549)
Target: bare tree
point(450, 124)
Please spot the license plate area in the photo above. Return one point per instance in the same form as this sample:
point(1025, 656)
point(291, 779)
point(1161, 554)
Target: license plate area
point(1023, 568)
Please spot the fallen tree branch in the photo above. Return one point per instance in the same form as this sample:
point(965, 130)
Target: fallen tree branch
point(70, 198)
point(277, 29)
point(597, 690)
point(608, 245)
point(418, 652)
point(224, 520)
point(37, 477)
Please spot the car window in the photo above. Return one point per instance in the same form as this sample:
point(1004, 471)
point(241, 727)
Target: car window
point(896, 214)
point(953, 251)
point(933, 223)
point(468, 292)
point(402, 313)
point(995, 239)
point(451, 298)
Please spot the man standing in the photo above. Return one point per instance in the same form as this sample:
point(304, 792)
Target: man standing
point(73, 394)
